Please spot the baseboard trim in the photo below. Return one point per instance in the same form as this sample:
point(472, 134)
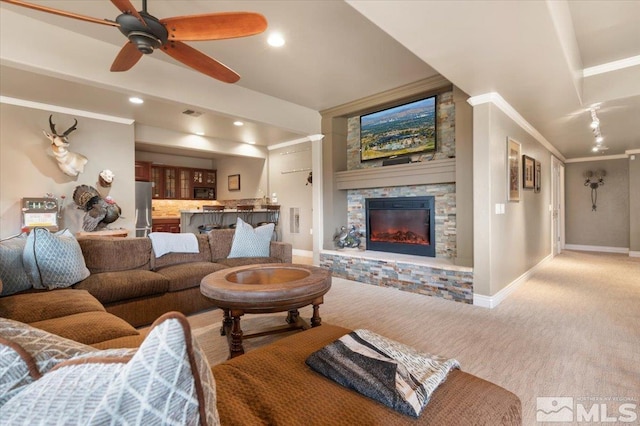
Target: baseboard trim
point(493, 301)
point(634, 253)
point(303, 253)
point(603, 249)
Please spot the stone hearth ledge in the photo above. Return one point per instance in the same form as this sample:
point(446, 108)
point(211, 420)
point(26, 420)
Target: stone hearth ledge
point(437, 277)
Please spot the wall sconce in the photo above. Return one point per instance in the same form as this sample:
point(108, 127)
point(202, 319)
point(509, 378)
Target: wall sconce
point(593, 181)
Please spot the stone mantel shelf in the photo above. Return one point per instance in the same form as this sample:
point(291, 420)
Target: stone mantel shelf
point(420, 173)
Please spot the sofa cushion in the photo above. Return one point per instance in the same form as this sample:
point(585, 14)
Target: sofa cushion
point(48, 304)
point(187, 275)
point(220, 243)
point(110, 287)
point(204, 255)
point(26, 353)
point(167, 381)
point(112, 254)
point(88, 327)
point(251, 242)
point(53, 260)
point(12, 273)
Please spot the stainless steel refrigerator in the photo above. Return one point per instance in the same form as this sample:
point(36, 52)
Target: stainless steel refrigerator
point(143, 208)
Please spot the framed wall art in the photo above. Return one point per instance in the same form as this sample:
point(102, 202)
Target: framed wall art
point(537, 176)
point(234, 183)
point(513, 170)
point(528, 172)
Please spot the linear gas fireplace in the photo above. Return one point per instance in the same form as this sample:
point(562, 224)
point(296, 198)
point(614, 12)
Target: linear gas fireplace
point(401, 225)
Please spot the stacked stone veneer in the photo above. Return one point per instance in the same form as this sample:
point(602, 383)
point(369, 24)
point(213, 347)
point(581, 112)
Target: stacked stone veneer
point(440, 280)
point(445, 205)
point(452, 283)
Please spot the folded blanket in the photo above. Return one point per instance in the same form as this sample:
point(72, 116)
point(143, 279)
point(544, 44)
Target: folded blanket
point(167, 242)
point(394, 374)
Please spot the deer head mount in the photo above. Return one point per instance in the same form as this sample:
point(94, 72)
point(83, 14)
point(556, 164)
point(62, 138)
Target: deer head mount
point(71, 163)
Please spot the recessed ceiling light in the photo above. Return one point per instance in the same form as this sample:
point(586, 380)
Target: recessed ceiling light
point(276, 40)
point(136, 100)
point(238, 123)
point(199, 133)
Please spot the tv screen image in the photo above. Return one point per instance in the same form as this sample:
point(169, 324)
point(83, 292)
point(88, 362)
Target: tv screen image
point(402, 130)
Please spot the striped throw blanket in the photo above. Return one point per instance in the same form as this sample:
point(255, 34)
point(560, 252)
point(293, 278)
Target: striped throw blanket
point(389, 372)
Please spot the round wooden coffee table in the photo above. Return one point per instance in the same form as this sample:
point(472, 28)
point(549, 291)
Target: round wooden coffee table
point(265, 288)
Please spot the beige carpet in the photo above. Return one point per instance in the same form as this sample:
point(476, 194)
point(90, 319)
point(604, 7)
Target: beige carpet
point(571, 330)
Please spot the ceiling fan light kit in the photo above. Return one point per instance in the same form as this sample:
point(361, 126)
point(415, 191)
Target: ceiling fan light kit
point(147, 33)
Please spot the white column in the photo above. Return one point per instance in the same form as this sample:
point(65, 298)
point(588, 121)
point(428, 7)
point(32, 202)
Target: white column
point(316, 194)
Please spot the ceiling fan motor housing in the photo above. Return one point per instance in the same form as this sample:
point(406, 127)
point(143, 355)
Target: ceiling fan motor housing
point(146, 38)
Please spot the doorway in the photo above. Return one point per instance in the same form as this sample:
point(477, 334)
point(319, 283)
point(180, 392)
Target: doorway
point(557, 206)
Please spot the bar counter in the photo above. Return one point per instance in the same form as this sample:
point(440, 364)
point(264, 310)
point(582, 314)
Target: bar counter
point(190, 220)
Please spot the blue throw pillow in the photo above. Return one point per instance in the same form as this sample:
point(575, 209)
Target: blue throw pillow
point(12, 273)
point(53, 260)
point(250, 242)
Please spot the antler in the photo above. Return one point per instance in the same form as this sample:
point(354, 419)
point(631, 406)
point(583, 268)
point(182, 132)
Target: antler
point(70, 129)
point(66, 133)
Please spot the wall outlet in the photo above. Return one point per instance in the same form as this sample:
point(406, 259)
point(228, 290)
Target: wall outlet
point(310, 231)
point(499, 208)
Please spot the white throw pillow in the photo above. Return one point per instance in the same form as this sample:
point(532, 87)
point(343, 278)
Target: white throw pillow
point(53, 260)
point(250, 242)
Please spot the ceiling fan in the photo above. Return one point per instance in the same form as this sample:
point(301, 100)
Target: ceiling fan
point(147, 33)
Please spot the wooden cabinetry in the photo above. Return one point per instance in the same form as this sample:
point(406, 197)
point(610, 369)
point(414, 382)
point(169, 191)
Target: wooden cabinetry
point(143, 171)
point(179, 182)
point(166, 225)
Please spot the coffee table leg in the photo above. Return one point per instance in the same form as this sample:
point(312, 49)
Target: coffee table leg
point(235, 344)
point(226, 323)
point(292, 316)
point(315, 319)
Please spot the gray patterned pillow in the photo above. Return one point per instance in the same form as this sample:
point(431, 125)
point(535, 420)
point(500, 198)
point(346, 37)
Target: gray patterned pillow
point(167, 381)
point(27, 352)
point(250, 242)
point(53, 260)
point(14, 277)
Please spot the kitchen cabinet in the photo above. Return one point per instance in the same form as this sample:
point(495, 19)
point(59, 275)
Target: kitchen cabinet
point(181, 183)
point(204, 178)
point(143, 171)
point(166, 225)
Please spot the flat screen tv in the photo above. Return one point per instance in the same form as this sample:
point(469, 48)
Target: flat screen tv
point(399, 131)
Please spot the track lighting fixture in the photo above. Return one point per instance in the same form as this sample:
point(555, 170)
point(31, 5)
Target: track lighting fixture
point(595, 127)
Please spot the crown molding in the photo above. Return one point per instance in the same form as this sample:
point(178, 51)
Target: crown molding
point(64, 110)
point(598, 158)
point(497, 100)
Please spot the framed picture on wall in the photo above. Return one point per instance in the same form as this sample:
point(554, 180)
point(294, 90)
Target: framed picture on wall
point(513, 170)
point(528, 172)
point(233, 183)
point(537, 175)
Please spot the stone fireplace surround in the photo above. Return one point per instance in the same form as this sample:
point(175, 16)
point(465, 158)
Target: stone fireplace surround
point(430, 276)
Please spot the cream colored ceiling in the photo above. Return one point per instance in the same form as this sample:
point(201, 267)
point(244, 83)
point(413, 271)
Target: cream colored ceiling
point(529, 52)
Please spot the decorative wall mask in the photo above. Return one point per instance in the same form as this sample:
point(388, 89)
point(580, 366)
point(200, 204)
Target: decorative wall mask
point(106, 178)
point(71, 163)
point(593, 181)
point(98, 211)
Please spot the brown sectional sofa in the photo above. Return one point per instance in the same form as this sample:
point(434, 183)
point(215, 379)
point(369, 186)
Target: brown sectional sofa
point(129, 287)
point(269, 385)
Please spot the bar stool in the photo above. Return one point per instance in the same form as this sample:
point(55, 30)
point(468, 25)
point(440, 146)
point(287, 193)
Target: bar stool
point(273, 215)
point(213, 215)
point(245, 212)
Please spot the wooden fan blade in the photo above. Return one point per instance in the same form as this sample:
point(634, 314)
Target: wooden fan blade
point(125, 6)
point(62, 13)
point(129, 56)
point(215, 26)
point(200, 62)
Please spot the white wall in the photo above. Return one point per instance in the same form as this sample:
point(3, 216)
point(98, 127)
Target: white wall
point(28, 169)
point(293, 192)
point(506, 245)
point(253, 177)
